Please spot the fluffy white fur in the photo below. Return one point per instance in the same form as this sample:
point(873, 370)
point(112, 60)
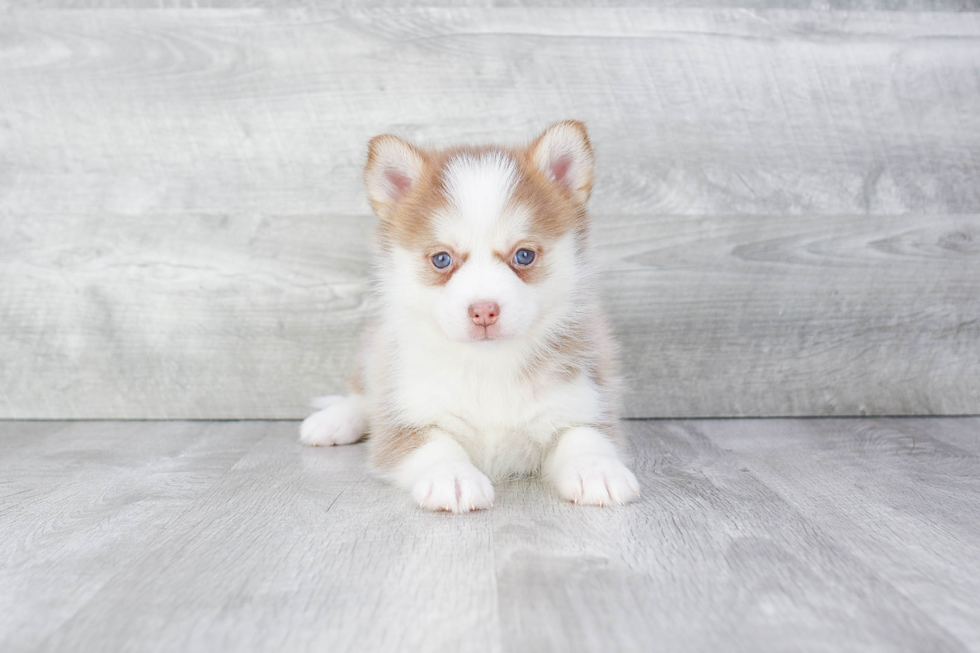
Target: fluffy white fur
point(340, 420)
point(440, 476)
point(478, 221)
point(585, 468)
point(483, 416)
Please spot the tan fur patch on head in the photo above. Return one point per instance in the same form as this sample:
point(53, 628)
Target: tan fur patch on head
point(409, 222)
point(552, 213)
point(532, 273)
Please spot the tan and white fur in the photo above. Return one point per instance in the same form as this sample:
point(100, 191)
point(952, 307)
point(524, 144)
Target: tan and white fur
point(484, 364)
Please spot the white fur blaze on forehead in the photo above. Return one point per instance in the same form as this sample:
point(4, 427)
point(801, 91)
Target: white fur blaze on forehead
point(479, 186)
point(563, 153)
point(393, 168)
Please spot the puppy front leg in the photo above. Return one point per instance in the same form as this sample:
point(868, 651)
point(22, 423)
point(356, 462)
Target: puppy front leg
point(440, 476)
point(586, 468)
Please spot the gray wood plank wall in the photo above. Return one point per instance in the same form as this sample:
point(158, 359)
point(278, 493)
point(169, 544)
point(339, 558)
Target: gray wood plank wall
point(787, 200)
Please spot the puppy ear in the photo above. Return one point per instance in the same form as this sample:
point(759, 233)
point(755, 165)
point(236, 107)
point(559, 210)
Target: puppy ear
point(393, 169)
point(563, 153)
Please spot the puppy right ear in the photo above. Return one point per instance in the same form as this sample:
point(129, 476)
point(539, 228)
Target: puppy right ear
point(563, 153)
point(394, 167)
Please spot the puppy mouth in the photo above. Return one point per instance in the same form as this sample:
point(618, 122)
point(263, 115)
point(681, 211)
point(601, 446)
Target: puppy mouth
point(485, 334)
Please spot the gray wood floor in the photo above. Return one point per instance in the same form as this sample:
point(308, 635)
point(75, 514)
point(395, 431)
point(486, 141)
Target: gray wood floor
point(751, 535)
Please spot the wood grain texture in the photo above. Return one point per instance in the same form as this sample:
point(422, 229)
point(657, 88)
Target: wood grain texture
point(197, 317)
point(711, 559)
point(81, 500)
point(724, 316)
point(295, 551)
point(786, 202)
point(750, 535)
point(361, 5)
point(895, 474)
point(693, 111)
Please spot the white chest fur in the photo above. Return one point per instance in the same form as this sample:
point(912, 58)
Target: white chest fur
point(475, 393)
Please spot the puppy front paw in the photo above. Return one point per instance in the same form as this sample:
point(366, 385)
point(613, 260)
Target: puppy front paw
point(453, 487)
point(596, 481)
point(340, 422)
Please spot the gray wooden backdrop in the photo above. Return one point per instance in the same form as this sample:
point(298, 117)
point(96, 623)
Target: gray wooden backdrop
point(787, 200)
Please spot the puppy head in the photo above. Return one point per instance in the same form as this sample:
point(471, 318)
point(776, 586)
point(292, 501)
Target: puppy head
point(485, 243)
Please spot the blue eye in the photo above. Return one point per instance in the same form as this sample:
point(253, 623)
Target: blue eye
point(523, 257)
point(442, 260)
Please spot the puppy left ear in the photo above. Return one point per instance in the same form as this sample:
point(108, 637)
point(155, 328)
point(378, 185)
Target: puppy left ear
point(563, 153)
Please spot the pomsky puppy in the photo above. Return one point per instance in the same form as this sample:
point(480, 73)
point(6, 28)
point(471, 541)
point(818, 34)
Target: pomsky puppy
point(491, 357)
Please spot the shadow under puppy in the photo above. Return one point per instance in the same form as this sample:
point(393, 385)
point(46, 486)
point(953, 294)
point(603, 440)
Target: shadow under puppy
point(491, 357)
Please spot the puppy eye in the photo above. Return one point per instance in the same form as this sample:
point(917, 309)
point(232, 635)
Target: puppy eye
point(442, 260)
point(523, 257)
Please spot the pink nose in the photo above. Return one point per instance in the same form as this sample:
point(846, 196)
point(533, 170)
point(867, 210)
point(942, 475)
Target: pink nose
point(484, 313)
